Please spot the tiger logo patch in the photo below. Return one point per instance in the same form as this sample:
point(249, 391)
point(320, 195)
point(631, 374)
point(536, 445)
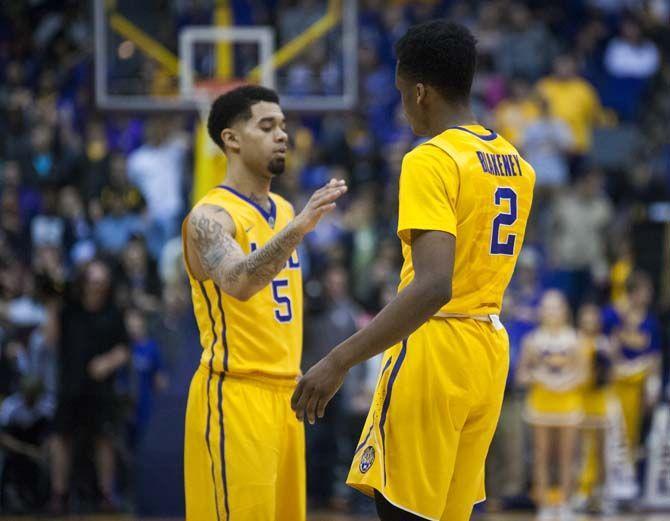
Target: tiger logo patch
point(367, 459)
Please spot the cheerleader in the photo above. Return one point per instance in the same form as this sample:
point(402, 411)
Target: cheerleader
point(597, 392)
point(554, 368)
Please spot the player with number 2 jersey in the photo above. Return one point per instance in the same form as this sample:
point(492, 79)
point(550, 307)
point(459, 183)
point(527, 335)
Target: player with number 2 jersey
point(465, 197)
point(446, 185)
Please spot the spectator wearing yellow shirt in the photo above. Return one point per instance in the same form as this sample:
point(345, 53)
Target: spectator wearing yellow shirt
point(513, 115)
point(575, 101)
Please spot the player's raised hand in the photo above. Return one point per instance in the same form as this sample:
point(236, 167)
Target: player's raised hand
point(316, 388)
point(321, 202)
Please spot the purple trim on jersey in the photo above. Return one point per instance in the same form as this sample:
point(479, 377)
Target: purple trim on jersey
point(387, 400)
point(224, 339)
point(486, 137)
point(367, 436)
point(209, 408)
point(222, 449)
point(270, 216)
point(364, 442)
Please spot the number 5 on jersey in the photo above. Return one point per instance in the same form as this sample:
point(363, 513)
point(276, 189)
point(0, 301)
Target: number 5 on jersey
point(284, 311)
point(504, 218)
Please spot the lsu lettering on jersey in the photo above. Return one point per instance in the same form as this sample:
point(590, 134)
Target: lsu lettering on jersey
point(473, 184)
point(262, 336)
point(438, 397)
point(244, 449)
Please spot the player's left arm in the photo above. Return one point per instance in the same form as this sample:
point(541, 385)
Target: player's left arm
point(421, 299)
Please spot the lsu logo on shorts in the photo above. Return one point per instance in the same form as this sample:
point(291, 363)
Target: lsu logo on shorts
point(367, 459)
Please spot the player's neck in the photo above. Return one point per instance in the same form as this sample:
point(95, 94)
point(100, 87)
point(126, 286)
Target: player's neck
point(448, 116)
point(251, 186)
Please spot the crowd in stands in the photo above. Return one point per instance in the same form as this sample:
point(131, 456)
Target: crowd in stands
point(94, 305)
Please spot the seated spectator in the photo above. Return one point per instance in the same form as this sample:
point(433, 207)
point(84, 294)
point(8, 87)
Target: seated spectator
point(29, 198)
point(10, 372)
point(113, 231)
point(78, 232)
point(512, 115)
point(41, 164)
point(24, 311)
point(630, 55)
point(527, 48)
point(579, 223)
point(546, 143)
point(12, 226)
point(156, 168)
point(95, 164)
point(630, 61)
point(118, 183)
point(24, 423)
point(138, 282)
point(48, 228)
point(573, 100)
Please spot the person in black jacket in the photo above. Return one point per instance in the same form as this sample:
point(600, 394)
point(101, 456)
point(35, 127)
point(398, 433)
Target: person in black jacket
point(92, 343)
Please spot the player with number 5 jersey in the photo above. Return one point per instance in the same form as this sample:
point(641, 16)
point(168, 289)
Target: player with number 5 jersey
point(244, 452)
point(465, 197)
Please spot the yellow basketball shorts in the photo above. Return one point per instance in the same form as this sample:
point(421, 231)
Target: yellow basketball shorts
point(550, 408)
point(244, 451)
point(433, 416)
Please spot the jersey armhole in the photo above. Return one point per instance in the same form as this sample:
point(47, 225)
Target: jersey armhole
point(184, 246)
point(184, 237)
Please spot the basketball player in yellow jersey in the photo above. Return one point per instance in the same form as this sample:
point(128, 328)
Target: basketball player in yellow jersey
point(465, 196)
point(244, 450)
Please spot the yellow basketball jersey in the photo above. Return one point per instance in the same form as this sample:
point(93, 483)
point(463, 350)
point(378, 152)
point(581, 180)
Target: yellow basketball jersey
point(472, 183)
point(262, 336)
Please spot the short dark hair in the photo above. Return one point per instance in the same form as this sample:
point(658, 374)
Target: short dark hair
point(439, 53)
point(233, 105)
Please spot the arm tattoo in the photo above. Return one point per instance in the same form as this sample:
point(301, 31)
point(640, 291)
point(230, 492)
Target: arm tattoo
point(213, 244)
point(265, 263)
point(224, 261)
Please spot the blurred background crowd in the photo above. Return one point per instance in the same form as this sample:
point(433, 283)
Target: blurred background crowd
point(97, 338)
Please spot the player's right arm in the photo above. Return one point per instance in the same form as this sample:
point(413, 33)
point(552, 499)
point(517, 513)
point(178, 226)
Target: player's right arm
point(213, 253)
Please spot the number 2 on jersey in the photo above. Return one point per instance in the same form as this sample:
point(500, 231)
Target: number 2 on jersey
point(504, 218)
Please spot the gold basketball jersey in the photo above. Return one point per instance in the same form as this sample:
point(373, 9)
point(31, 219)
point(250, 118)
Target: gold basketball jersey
point(262, 336)
point(470, 182)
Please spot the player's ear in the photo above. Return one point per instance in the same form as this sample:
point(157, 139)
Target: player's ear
point(230, 139)
point(420, 93)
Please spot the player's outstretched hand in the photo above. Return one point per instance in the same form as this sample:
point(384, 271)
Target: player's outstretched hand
point(321, 202)
point(316, 388)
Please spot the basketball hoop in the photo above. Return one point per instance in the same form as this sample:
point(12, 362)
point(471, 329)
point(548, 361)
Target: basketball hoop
point(207, 90)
